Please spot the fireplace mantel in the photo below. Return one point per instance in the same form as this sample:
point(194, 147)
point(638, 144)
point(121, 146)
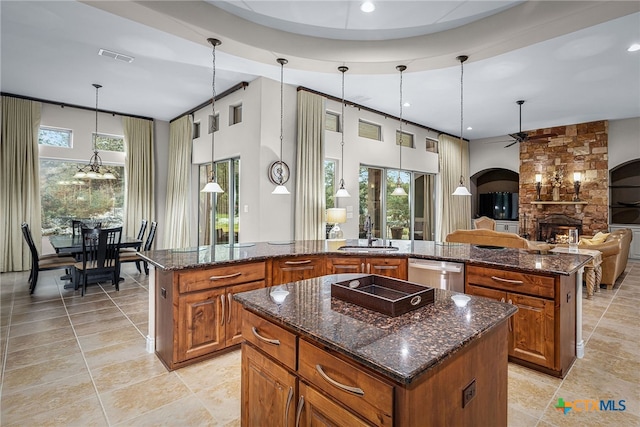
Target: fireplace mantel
point(541, 203)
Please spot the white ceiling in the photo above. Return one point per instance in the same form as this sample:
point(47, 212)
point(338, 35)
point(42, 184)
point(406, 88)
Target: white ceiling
point(568, 60)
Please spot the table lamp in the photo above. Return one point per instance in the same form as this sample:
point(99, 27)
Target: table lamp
point(336, 216)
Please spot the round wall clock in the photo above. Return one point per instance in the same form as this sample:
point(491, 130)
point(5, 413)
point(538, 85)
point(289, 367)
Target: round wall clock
point(277, 170)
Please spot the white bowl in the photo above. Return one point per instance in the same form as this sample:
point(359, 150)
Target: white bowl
point(460, 300)
point(278, 296)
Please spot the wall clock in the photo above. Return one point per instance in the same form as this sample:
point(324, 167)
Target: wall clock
point(278, 173)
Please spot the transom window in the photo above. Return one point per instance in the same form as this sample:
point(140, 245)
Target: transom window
point(235, 115)
point(406, 139)
point(332, 121)
point(55, 137)
point(369, 130)
point(105, 142)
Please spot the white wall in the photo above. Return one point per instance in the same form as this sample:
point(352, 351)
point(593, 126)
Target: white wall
point(624, 141)
point(364, 151)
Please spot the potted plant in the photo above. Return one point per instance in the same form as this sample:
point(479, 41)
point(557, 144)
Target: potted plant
point(398, 221)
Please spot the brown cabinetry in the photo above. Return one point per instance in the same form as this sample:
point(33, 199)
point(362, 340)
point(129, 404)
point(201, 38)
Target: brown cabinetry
point(196, 315)
point(287, 270)
point(391, 267)
point(542, 332)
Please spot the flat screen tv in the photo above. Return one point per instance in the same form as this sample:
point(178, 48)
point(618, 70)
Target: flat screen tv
point(499, 205)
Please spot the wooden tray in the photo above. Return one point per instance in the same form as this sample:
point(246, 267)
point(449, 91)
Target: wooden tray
point(385, 295)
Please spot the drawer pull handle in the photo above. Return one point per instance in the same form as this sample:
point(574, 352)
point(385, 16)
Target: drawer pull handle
point(228, 276)
point(362, 267)
point(222, 302)
point(355, 390)
point(286, 412)
point(261, 338)
point(345, 267)
point(513, 282)
point(306, 261)
point(502, 299)
point(299, 412)
point(385, 267)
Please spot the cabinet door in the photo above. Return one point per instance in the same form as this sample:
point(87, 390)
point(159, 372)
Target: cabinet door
point(297, 268)
point(340, 265)
point(268, 391)
point(533, 329)
point(199, 323)
point(318, 410)
point(233, 311)
point(391, 267)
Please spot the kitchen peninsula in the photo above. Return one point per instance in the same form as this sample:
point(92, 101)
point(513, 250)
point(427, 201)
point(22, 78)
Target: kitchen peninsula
point(192, 314)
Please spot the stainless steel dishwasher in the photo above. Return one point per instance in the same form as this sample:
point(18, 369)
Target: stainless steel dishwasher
point(437, 274)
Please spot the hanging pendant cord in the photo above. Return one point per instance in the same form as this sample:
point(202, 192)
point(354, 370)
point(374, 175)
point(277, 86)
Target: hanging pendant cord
point(214, 43)
point(401, 138)
point(461, 58)
point(282, 62)
point(95, 136)
point(343, 70)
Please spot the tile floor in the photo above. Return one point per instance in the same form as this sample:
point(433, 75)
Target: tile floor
point(68, 360)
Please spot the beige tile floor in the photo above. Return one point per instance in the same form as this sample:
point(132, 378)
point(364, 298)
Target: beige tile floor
point(69, 360)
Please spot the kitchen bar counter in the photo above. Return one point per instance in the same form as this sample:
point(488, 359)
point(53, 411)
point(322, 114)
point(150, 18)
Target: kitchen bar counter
point(517, 259)
point(401, 348)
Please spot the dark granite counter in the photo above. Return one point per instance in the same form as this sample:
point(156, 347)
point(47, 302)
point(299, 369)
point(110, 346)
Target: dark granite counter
point(401, 348)
point(517, 259)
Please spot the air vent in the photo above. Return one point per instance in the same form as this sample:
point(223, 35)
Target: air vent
point(115, 55)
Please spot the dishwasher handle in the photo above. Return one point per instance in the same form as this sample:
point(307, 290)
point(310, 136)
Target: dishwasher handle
point(447, 268)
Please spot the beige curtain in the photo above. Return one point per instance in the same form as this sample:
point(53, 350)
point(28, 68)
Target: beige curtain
point(139, 173)
point(454, 160)
point(20, 181)
point(178, 183)
point(310, 203)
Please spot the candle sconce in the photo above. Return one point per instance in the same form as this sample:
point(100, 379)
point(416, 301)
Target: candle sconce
point(538, 186)
point(576, 186)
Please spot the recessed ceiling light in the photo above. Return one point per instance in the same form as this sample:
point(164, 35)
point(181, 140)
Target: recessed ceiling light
point(406, 104)
point(367, 7)
point(469, 128)
point(634, 47)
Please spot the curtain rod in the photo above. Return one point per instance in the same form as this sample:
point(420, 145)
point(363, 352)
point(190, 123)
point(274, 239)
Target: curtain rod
point(81, 107)
point(362, 107)
point(229, 91)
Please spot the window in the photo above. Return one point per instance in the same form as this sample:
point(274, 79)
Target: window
point(332, 121)
point(55, 137)
point(214, 123)
point(369, 130)
point(432, 145)
point(64, 198)
point(407, 139)
point(106, 142)
point(196, 130)
point(329, 182)
point(235, 114)
point(226, 205)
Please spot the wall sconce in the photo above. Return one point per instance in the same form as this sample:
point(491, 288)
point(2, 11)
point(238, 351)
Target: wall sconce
point(576, 186)
point(538, 186)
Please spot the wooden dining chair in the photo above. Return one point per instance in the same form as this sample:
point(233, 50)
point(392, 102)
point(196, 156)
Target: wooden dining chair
point(100, 256)
point(44, 262)
point(134, 257)
point(76, 228)
point(140, 236)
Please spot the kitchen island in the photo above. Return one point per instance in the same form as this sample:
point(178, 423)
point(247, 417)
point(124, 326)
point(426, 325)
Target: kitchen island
point(311, 357)
point(192, 315)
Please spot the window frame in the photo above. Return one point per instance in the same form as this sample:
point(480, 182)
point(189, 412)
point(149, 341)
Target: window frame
point(402, 137)
point(330, 113)
point(56, 129)
point(97, 135)
point(369, 123)
point(235, 114)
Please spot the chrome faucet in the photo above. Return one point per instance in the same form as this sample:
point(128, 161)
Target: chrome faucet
point(368, 226)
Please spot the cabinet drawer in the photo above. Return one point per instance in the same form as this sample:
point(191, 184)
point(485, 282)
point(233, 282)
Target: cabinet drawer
point(270, 338)
point(486, 292)
point(371, 397)
point(220, 276)
point(512, 281)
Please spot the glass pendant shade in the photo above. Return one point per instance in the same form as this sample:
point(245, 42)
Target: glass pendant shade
point(461, 191)
point(280, 189)
point(212, 187)
point(399, 191)
point(342, 192)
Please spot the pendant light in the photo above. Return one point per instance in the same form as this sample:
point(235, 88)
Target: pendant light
point(461, 190)
point(342, 192)
point(94, 169)
point(399, 191)
point(279, 171)
point(212, 186)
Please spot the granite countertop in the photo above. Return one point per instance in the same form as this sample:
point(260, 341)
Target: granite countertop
point(401, 348)
point(516, 259)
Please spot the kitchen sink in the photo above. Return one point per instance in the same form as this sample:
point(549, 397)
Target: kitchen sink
point(367, 248)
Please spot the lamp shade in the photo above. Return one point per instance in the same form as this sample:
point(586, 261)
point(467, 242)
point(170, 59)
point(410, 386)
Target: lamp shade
point(538, 177)
point(212, 187)
point(399, 191)
point(461, 191)
point(342, 192)
point(577, 176)
point(336, 215)
point(280, 189)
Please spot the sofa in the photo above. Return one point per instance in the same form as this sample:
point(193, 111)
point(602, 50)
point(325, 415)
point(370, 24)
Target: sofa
point(615, 253)
point(488, 237)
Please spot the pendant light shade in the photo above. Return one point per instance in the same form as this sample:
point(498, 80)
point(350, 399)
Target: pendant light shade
point(94, 169)
point(342, 192)
point(212, 186)
point(461, 190)
point(280, 167)
point(399, 190)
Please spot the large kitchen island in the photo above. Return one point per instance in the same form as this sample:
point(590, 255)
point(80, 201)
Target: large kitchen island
point(310, 359)
point(193, 315)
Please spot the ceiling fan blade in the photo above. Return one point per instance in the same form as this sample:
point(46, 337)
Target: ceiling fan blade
point(509, 145)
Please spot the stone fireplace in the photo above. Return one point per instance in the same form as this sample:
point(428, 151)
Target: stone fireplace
point(555, 228)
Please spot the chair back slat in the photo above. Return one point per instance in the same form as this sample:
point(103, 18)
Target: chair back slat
point(143, 228)
point(151, 236)
point(26, 233)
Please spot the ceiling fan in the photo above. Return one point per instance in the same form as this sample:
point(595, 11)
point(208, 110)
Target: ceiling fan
point(524, 136)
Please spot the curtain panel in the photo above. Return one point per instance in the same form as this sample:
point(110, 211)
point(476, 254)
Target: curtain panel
point(179, 183)
point(454, 161)
point(19, 181)
point(310, 196)
point(139, 173)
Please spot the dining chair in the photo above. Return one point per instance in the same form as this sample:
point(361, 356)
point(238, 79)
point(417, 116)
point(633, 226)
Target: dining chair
point(100, 256)
point(140, 236)
point(76, 228)
point(134, 257)
point(44, 262)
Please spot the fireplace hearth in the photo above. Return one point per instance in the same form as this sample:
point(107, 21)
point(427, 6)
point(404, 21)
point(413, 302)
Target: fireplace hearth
point(555, 228)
